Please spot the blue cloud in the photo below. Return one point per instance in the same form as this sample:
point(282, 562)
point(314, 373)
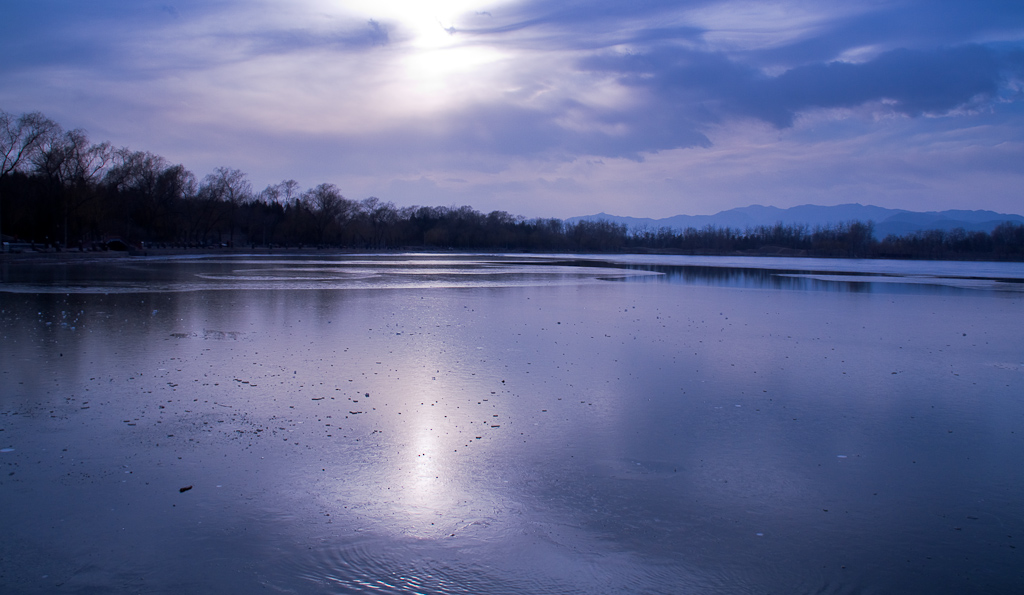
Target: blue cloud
point(510, 130)
point(909, 25)
point(913, 82)
point(362, 37)
point(69, 33)
point(916, 82)
point(586, 24)
point(95, 35)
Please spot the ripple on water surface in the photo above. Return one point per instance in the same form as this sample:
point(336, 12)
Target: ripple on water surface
point(519, 565)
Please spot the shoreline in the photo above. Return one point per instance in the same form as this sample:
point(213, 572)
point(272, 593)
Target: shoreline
point(53, 256)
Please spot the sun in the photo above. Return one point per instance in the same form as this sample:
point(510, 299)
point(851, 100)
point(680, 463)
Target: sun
point(431, 23)
point(435, 60)
point(439, 68)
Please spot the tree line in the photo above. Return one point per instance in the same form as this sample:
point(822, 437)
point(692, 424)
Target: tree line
point(60, 190)
point(853, 239)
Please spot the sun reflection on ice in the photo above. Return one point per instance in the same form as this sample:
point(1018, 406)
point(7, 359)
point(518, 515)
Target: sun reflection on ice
point(432, 492)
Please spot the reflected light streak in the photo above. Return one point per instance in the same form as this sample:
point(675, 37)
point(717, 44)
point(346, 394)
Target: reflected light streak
point(432, 489)
point(432, 493)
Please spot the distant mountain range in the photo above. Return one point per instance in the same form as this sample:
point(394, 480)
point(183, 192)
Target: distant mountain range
point(887, 221)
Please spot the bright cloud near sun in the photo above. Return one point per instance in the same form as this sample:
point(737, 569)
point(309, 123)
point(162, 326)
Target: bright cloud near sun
point(436, 67)
point(425, 67)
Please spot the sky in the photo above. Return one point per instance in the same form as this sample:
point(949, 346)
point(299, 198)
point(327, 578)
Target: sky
point(647, 108)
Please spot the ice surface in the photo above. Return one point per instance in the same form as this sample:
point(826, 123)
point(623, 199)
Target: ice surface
point(507, 424)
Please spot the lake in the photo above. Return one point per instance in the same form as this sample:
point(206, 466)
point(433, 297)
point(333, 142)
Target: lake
point(548, 424)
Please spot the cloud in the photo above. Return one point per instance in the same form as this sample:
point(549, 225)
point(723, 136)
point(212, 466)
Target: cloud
point(914, 82)
point(576, 24)
point(513, 131)
point(366, 36)
point(910, 82)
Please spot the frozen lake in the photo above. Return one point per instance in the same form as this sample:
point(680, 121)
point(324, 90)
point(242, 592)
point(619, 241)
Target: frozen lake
point(511, 424)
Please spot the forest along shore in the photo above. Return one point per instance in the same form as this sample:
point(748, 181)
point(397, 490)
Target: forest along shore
point(61, 191)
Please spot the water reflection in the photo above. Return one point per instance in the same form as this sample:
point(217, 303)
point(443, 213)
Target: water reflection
point(429, 271)
point(562, 435)
point(248, 273)
point(809, 279)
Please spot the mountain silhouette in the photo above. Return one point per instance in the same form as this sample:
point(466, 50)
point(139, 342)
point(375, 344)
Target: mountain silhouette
point(887, 221)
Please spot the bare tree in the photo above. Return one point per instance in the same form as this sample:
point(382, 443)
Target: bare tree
point(84, 163)
point(270, 211)
point(135, 171)
point(381, 218)
point(71, 166)
point(327, 206)
point(134, 179)
point(20, 139)
point(283, 193)
point(231, 187)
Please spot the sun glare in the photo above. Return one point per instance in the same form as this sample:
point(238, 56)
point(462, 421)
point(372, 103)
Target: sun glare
point(431, 23)
point(439, 68)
